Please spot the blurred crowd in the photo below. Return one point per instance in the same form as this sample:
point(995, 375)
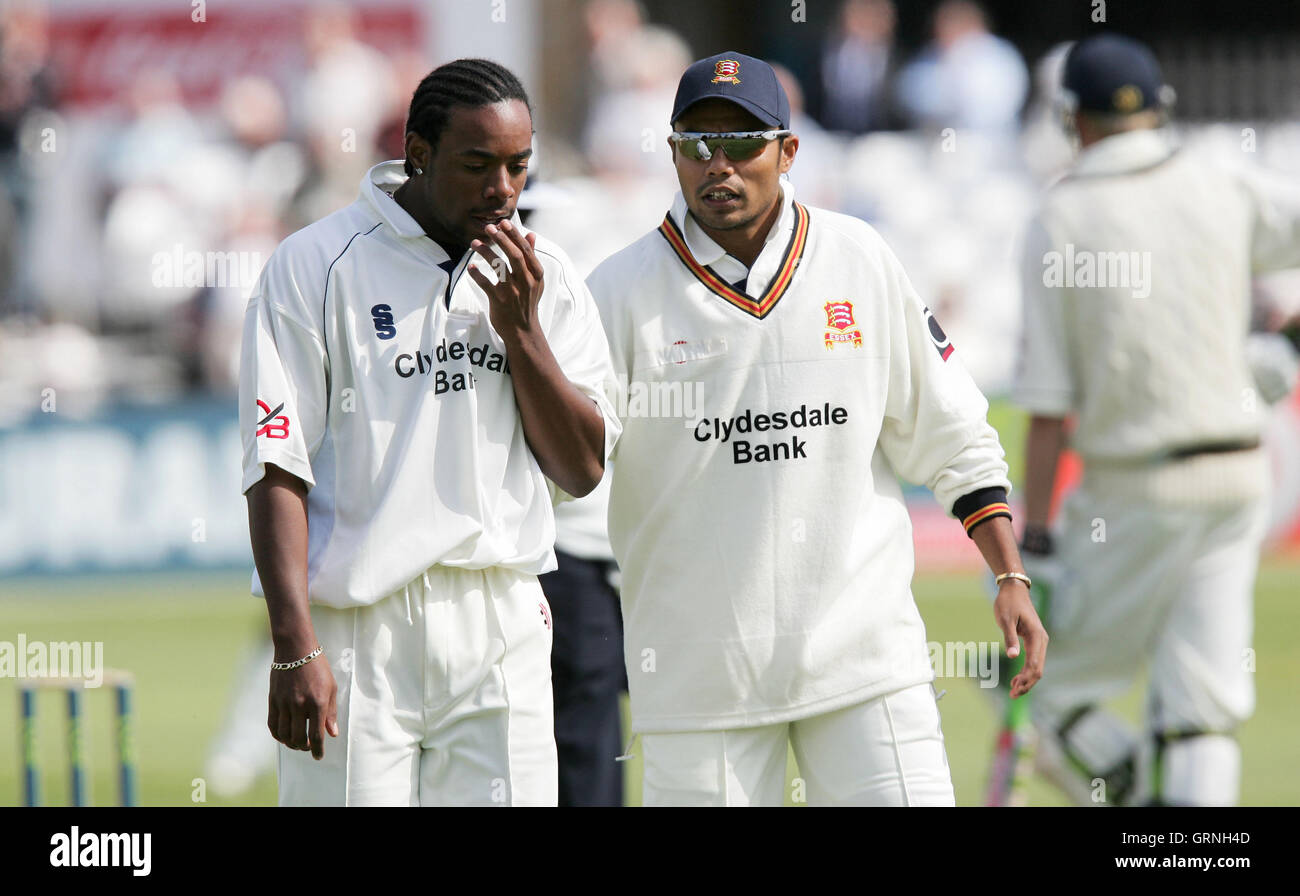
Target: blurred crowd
point(943, 150)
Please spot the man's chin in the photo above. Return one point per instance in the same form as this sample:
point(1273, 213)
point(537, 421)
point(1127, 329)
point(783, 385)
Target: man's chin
point(731, 219)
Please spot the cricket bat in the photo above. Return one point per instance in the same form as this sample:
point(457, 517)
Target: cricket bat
point(1013, 751)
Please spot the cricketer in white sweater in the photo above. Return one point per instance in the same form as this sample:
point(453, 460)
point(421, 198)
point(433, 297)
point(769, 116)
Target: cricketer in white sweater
point(765, 546)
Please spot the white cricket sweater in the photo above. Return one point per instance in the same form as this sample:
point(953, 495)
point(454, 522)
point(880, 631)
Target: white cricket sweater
point(1136, 275)
point(396, 406)
point(765, 546)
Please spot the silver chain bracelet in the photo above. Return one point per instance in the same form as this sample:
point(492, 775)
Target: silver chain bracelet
point(282, 667)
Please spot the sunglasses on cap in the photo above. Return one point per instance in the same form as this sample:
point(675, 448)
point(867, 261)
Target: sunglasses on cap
point(738, 146)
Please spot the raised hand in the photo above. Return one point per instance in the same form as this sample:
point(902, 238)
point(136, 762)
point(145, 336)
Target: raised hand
point(513, 298)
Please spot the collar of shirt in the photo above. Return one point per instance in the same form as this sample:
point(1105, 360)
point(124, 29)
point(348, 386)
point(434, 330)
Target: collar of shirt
point(729, 268)
point(377, 189)
point(1123, 152)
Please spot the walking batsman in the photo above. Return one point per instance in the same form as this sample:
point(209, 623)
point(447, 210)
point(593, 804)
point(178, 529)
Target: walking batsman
point(765, 546)
point(420, 374)
point(1136, 279)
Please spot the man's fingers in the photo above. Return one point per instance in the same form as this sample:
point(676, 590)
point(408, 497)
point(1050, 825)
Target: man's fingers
point(284, 726)
point(485, 252)
point(1009, 637)
point(1036, 644)
point(481, 279)
point(507, 241)
point(1024, 682)
point(272, 718)
point(314, 737)
point(526, 245)
point(298, 728)
point(332, 714)
point(1035, 656)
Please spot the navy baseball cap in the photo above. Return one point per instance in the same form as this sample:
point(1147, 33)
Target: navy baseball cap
point(1114, 75)
point(748, 82)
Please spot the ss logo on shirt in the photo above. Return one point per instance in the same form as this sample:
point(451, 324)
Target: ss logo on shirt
point(383, 317)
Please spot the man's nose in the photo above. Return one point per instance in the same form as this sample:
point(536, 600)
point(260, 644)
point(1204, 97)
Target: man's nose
point(719, 165)
point(498, 186)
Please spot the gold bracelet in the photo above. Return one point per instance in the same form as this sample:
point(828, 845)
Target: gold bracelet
point(998, 580)
point(282, 667)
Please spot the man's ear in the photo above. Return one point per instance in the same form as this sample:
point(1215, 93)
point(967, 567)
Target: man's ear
point(418, 152)
point(789, 146)
point(672, 157)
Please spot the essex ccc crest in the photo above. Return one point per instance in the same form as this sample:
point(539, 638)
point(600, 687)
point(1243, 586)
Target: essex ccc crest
point(839, 318)
point(726, 70)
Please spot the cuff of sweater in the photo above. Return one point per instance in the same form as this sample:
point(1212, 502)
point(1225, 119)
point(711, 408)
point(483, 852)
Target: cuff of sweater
point(980, 506)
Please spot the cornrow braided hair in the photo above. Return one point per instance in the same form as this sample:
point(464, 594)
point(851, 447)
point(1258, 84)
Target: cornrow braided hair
point(464, 82)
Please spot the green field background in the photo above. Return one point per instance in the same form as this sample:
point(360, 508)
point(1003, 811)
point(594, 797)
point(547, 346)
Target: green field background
point(183, 639)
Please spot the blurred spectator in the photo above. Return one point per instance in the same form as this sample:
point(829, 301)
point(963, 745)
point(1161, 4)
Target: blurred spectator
point(159, 131)
point(612, 26)
point(26, 86)
point(1046, 147)
point(255, 121)
point(857, 68)
point(149, 172)
point(626, 149)
point(628, 128)
point(967, 78)
point(408, 68)
point(26, 78)
point(816, 174)
point(342, 101)
point(259, 171)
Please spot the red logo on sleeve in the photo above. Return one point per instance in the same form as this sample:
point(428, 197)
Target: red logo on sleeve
point(271, 425)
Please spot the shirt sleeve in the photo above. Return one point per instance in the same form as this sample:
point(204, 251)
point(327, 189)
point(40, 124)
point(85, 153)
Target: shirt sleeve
point(1043, 383)
point(283, 393)
point(577, 340)
point(935, 430)
point(600, 285)
point(1275, 237)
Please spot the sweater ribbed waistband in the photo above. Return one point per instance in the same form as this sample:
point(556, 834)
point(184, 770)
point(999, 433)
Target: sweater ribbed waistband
point(1205, 478)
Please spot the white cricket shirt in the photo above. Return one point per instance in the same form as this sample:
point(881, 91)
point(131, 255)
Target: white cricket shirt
point(765, 546)
point(1136, 276)
point(395, 404)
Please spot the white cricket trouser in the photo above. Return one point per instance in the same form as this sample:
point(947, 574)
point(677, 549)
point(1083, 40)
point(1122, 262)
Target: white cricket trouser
point(884, 752)
point(444, 698)
point(1172, 587)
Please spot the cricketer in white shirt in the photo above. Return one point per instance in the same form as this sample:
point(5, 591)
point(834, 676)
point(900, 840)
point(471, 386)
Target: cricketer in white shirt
point(765, 545)
point(1137, 303)
point(371, 372)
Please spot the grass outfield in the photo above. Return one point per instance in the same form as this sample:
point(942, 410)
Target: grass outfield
point(183, 637)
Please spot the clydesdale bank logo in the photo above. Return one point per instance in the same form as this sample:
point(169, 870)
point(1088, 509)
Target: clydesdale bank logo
point(89, 850)
point(433, 363)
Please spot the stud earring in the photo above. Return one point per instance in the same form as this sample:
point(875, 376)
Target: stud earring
point(419, 170)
